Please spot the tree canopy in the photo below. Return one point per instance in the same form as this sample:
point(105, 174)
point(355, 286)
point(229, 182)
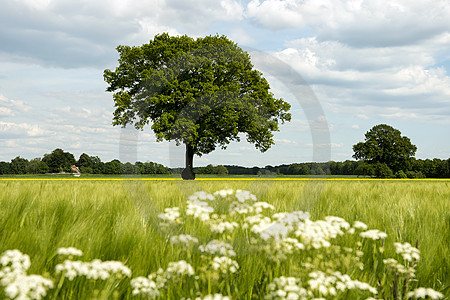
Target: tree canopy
point(385, 145)
point(199, 92)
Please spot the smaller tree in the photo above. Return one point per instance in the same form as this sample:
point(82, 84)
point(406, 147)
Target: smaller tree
point(5, 168)
point(37, 166)
point(385, 144)
point(59, 160)
point(19, 165)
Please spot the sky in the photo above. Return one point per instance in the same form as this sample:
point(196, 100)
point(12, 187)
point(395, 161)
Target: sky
point(344, 66)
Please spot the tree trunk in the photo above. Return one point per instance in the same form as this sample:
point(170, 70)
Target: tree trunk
point(188, 172)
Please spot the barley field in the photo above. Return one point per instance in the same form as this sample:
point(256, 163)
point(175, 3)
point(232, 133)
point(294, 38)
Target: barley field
point(224, 239)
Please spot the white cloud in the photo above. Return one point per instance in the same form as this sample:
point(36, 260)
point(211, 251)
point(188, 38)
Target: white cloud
point(9, 108)
point(358, 22)
point(23, 129)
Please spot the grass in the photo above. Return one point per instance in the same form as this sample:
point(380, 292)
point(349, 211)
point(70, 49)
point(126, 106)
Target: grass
point(116, 220)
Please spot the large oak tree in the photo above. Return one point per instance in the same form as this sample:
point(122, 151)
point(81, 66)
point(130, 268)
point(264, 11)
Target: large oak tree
point(199, 92)
point(385, 145)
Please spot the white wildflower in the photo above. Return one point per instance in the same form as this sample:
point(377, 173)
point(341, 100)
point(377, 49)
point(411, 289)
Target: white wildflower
point(16, 260)
point(218, 226)
point(260, 206)
point(337, 222)
point(243, 196)
point(215, 247)
point(69, 251)
point(398, 268)
point(171, 215)
point(214, 297)
point(224, 265)
point(199, 209)
point(224, 193)
point(373, 234)
point(95, 269)
point(28, 287)
point(408, 252)
point(287, 288)
point(423, 293)
point(144, 286)
point(330, 284)
point(359, 225)
point(179, 268)
point(183, 239)
point(201, 196)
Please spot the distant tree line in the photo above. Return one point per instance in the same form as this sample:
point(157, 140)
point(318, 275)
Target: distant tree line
point(59, 161)
point(420, 168)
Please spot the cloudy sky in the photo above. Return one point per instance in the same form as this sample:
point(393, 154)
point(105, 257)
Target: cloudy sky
point(344, 66)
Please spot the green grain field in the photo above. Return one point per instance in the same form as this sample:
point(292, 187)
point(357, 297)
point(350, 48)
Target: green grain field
point(113, 220)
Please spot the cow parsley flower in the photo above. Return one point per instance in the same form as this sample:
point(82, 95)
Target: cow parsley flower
point(215, 247)
point(201, 196)
point(199, 209)
point(28, 287)
point(95, 269)
point(16, 260)
point(144, 286)
point(408, 252)
point(224, 193)
point(224, 265)
point(243, 196)
point(359, 225)
point(183, 239)
point(69, 252)
point(287, 288)
point(214, 297)
point(373, 234)
point(423, 293)
point(171, 215)
point(178, 269)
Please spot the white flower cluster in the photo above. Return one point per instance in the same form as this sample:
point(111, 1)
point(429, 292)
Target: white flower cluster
point(28, 287)
point(224, 265)
point(199, 209)
point(18, 285)
point(218, 247)
point(279, 249)
point(152, 285)
point(171, 215)
point(144, 286)
point(398, 268)
point(179, 269)
point(214, 297)
point(317, 234)
point(183, 239)
point(331, 284)
point(422, 293)
point(408, 252)
point(359, 225)
point(373, 234)
point(70, 251)
point(287, 288)
point(95, 269)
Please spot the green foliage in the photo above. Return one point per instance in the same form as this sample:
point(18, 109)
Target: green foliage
point(19, 165)
point(201, 92)
point(5, 168)
point(384, 144)
point(37, 166)
point(381, 170)
point(210, 169)
point(90, 164)
point(400, 174)
point(365, 169)
point(59, 160)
